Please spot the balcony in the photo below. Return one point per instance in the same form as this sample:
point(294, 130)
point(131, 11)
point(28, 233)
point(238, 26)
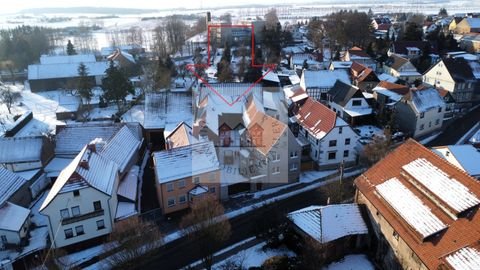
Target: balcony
point(74, 219)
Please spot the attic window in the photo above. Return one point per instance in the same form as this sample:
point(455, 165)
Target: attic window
point(76, 193)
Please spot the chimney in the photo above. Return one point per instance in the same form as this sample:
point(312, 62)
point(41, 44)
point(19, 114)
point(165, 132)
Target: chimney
point(209, 17)
point(92, 147)
point(447, 153)
point(84, 164)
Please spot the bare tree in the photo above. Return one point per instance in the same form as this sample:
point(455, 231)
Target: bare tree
point(271, 19)
point(209, 227)
point(378, 148)
point(132, 238)
point(175, 30)
point(160, 46)
point(8, 96)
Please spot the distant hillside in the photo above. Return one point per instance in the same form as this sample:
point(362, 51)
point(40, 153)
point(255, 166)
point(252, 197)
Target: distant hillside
point(86, 10)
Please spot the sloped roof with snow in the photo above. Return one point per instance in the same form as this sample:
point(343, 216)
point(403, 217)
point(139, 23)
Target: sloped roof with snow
point(473, 22)
point(100, 173)
point(121, 148)
point(330, 222)
point(324, 78)
point(342, 92)
point(426, 99)
point(20, 149)
point(185, 161)
point(467, 258)
point(461, 229)
point(465, 157)
point(181, 136)
point(64, 70)
point(67, 59)
point(315, 117)
point(127, 187)
point(12, 217)
point(71, 139)
point(9, 184)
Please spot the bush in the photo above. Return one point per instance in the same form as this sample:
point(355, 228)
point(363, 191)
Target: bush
point(276, 263)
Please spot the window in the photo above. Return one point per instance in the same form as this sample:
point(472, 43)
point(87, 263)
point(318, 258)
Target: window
point(395, 235)
point(100, 224)
point(79, 230)
point(440, 109)
point(171, 201)
point(318, 141)
point(181, 183)
point(294, 167)
point(196, 180)
point(356, 102)
point(345, 153)
point(347, 141)
point(437, 122)
point(212, 190)
point(68, 233)
point(332, 143)
point(293, 154)
point(275, 170)
point(76, 211)
point(64, 213)
point(332, 155)
point(76, 193)
point(97, 205)
point(340, 130)
point(169, 187)
point(275, 156)
point(422, 115)
point(430, 124)
point(422, 126)
point(182, 199)
point(4, 239)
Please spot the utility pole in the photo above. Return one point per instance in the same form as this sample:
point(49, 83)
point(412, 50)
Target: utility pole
point(342, 166)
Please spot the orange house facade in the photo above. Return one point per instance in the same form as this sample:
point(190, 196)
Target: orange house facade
point(185, 175)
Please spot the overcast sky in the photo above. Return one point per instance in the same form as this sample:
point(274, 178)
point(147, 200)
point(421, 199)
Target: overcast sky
point(17, 5)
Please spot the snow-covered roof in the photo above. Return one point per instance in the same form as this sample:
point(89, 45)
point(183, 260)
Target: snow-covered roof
point(270, 76)
point(269, 100)
point(67, 59)
point(185, 161)
point(466, 258)
point(426, 99)
point(72, 138)
point(125, 209)
point(387, 77)
point(9, 184)
point(354, 112)
point(317, 118)
point(324, 78)
point(64, 70)
point(121, 148)
point(410, 207)
point(20, 149)
point(12, 217)
point(127, 187)
point(198, 190)
point(392, 95)
point(331, 222)
point(449, 190)
point(473, 22)
point(341, 64)
point(465, 157)
point(56, 165)
point(154, 111)
point(98, 172)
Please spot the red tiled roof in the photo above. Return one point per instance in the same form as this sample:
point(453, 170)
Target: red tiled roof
point(360, 72)
point(460, 232)
point(316, 117)
point(397, 88)
point(358, 51)
point(384, 26)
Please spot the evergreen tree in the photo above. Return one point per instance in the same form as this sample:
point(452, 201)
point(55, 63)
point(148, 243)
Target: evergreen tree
point(116, 86)
point(84, 83)
point(70, 48)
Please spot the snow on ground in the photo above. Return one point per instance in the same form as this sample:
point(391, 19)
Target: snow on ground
point(225, 250)
point(255, 256)
point(310, 176)
point(37, 218)
point(135, 114)
point(351, 262)
point(368, 131)
point(269, 191)
point(100, 113)
point(430, 138)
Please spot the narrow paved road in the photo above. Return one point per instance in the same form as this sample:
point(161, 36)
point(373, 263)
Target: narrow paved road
point(457, 129)
point(183, 251)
